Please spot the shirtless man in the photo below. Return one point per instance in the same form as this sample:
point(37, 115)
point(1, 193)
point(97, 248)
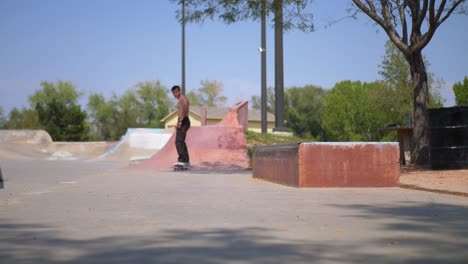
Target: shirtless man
point(183, 124)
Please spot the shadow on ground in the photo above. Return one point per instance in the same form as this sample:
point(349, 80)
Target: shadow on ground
point(34, 243)
point(417, 217)
point(437, 232)
point(429, 233)
point(206, 171)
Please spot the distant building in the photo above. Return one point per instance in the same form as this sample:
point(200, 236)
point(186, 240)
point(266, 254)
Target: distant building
point(214, 115)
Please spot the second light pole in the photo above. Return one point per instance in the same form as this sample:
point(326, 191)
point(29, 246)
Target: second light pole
point(263, 62)
point(183, 47)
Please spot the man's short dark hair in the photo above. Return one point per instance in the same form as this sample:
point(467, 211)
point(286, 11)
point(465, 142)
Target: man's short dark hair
point(175, 87)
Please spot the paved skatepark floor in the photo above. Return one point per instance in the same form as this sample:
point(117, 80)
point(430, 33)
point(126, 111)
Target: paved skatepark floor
point(88, 211)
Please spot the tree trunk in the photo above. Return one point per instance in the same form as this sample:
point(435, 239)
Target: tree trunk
point(420, 140)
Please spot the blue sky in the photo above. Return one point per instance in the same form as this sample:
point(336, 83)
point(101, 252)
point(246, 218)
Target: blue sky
point(108, 46)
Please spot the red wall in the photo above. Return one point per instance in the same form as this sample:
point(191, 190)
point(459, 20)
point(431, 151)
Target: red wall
point(338, 164)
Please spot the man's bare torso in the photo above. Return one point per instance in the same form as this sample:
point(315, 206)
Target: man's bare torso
point(183, 107)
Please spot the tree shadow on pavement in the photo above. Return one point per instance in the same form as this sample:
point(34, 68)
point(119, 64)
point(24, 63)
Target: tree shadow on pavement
point(436, 232)
point(36, 243)
point(432, 233)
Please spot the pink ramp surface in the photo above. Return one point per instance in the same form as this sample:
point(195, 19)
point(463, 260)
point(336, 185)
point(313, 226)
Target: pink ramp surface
point(215, 147)
point(210, 147)
point(237, 116)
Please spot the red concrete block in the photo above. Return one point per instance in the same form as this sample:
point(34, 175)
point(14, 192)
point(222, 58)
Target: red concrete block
point(277, 163)
point(348, 164)
point(338, 164)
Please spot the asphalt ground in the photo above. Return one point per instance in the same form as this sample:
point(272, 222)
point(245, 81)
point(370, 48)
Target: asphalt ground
point(104, 212)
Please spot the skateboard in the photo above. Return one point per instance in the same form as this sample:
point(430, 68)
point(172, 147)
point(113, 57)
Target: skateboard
point(181, 167)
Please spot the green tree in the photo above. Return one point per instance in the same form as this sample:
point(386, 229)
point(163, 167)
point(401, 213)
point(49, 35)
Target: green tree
point(209, 94)
point(103, 116)
point(58, 111)
point(385, 108)
point(2, 117)
point(394, 68)
point(22, 119)
point(255, 101)
point(111, 119)
point(352, 112)
point(398, 89)
point(423, 15)
point(155, 103)
point(63, 122)
point(64, 92)
point(143, 106)
point(461, 92)
point(195, 98)
point(231, 11)
point(304, 110)
point(15, 119)
point(397, 94)
point(342, 112)
point(396, 71)
point(128, 106)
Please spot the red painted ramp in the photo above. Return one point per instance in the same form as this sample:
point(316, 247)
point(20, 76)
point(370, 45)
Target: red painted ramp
point(210, 148)
point(215, 147)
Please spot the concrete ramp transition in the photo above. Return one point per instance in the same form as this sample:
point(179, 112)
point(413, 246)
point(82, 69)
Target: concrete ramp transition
point(37, 144)
point(214, 147)
point(25, 136)
point(138, 144)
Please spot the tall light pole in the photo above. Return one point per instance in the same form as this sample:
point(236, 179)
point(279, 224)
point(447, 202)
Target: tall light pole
point(183, 47)
point(263, 59)
point(279, 79)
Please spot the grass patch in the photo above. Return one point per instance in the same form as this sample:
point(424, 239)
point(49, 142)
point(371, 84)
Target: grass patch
point(260, 139)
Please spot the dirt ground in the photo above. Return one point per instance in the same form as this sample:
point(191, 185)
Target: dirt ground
point(441, 181)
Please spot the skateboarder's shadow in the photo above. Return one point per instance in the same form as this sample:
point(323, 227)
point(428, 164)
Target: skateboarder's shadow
point(200, 171)
point(218, 166)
